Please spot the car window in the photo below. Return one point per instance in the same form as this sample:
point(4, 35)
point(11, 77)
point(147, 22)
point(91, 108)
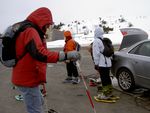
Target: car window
point(142, 49)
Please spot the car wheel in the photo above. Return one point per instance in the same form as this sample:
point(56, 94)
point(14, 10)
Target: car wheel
point(126, 80)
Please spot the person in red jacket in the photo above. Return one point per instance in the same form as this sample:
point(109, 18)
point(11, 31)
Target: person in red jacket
point(72, 72)
point(30, 70)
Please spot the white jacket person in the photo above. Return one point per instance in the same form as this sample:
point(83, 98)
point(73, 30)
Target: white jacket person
point(98, 47)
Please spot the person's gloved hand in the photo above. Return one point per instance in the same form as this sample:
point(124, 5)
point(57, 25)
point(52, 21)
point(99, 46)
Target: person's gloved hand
point(96, 67)
point(71, 55)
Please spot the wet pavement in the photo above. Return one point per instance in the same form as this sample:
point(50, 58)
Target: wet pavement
point(70, 98)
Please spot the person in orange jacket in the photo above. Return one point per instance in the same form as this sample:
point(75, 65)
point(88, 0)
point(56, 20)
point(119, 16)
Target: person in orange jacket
point(30, 71)
point(72, 72)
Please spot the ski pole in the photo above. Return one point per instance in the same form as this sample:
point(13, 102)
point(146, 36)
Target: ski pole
point(87, 91)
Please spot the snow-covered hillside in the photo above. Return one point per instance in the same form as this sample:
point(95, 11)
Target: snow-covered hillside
point(83, 31)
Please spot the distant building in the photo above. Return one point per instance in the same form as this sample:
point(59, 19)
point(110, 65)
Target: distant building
point(57, 35)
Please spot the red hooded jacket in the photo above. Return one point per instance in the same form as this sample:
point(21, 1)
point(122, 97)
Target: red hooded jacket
point(30, 70)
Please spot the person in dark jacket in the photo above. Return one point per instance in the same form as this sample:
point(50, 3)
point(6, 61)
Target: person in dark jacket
point(30, 71)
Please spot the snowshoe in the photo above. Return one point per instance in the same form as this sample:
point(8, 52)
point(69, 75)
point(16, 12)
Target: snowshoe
point(113, 97)
point(97, 99)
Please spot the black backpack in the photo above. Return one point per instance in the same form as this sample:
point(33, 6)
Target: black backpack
point(78, 46)
point(8, 41)
point(108, 47)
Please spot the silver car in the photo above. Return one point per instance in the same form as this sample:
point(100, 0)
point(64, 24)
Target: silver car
point(131, 65)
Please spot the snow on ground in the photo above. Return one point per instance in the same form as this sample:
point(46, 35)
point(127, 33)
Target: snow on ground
point(60, 43)
point(116, 38)
point(56, 44)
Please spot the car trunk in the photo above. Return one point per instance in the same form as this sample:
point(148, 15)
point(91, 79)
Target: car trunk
point(132, 36)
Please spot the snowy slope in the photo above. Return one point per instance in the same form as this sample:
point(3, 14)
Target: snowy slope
point(77, 30)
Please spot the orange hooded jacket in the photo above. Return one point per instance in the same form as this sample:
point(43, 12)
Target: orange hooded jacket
point(70, 44)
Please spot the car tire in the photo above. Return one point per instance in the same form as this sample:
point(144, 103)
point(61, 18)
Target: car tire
point(126, 80)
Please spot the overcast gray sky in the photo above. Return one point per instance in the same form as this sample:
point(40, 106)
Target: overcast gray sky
point(69, 10)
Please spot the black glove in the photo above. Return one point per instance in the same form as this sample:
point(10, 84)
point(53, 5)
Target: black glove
point(96, 67)
point(71, 55)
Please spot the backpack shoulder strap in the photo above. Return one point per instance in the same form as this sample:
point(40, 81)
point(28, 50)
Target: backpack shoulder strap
point(100, 39)
point(26, 24)
point(23, 26)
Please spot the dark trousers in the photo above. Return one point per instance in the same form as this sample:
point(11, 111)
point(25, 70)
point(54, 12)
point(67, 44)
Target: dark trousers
point(105, 76)
point(72, 69)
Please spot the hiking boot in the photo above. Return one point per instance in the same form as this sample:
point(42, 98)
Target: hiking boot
point(103, 96)
point(76, 80)
point(68, 80)
point(107, 90)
